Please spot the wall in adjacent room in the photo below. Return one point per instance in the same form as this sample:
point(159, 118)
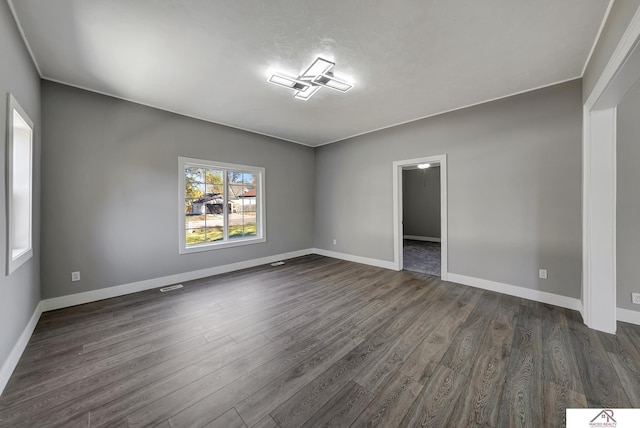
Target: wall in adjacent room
point(110, 188)
point(514, 188)
point(20, 291)
point(421, 202)
point(628, 200)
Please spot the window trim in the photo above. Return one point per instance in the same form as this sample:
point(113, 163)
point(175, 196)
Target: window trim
point(13, 263)
point(260, 214)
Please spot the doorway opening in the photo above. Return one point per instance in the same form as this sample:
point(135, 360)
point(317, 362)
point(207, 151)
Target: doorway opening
point(421, 218)
point(420, 215)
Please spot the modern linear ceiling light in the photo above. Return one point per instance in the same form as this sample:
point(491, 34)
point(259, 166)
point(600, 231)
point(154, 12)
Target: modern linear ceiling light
point(318, 74)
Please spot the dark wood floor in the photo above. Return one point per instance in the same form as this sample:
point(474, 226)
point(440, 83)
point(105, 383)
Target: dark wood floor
point(318, 342)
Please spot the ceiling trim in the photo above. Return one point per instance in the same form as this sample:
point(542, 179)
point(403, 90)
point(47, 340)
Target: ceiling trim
point(24, 37)
point(453, 109)
point(595, 42)
point(173, 111)
point(305, 144)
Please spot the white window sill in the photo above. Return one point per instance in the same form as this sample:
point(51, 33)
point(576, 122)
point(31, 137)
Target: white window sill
point(220, 245)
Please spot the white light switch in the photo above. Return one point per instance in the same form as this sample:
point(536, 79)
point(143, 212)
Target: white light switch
point(75, 276)
point(542, 273)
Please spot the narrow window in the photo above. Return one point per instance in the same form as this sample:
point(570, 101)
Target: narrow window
point(19, 185)
point(220, 205)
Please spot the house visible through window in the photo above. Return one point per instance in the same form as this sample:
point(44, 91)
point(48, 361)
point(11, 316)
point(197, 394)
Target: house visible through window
point(221, 205)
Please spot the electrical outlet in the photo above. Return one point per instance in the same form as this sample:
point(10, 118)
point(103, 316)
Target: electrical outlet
point(335, 242)
point(635, 298)
point(75, 276)
point(542, 273)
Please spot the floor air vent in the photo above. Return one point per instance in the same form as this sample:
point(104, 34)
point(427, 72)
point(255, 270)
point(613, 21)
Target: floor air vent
point(170, 288)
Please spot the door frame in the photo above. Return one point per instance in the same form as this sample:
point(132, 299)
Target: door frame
point(599, 282)
point(397, 210)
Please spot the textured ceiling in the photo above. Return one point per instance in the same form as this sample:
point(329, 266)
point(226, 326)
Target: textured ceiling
point(408, 59)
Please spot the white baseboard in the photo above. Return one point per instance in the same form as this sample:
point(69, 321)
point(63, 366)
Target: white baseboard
point(513, 290)
point(421, 238)
point(357, 259)
point(626, 315)
point(148, 284)
point(11, 362)
point(134, 287)
point(90, 296)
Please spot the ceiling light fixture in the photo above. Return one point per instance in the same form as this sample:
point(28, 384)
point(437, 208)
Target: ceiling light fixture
point(319, 66)
point(306, 93)
point(318, 74)
point(289, 82)
point(424, 165)
point(327, 80)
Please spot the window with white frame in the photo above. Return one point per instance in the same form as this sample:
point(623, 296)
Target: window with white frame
point(19, 185)
point(221, 205)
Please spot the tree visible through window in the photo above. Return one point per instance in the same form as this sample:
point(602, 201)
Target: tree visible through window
point(221, 203)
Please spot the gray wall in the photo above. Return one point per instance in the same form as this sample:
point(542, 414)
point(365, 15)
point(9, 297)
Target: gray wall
point(421, 202)
point(619, 18)
point(628, 199)
point(19, 292)
point(514, 188)
point(110, 188)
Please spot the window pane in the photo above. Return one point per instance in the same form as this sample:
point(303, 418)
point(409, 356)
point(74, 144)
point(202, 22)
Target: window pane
point(215, 205)
point(198, 205)
point(234, 185)
point(234, 176)
point(242, 218)
point(194, 190)
point(194, 222)
point(214, 176)
point(194, 175)
point(249, 178)
point(214, 220)
point(242, 230)
point(191, 207)
point(250, 229)
point(195, 236)
point(20, 192)
point(214, 234)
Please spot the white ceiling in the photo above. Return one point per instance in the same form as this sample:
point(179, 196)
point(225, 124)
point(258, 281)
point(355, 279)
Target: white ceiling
point(408, 59)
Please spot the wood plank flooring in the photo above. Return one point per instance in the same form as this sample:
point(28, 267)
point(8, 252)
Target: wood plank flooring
point(318, 342)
